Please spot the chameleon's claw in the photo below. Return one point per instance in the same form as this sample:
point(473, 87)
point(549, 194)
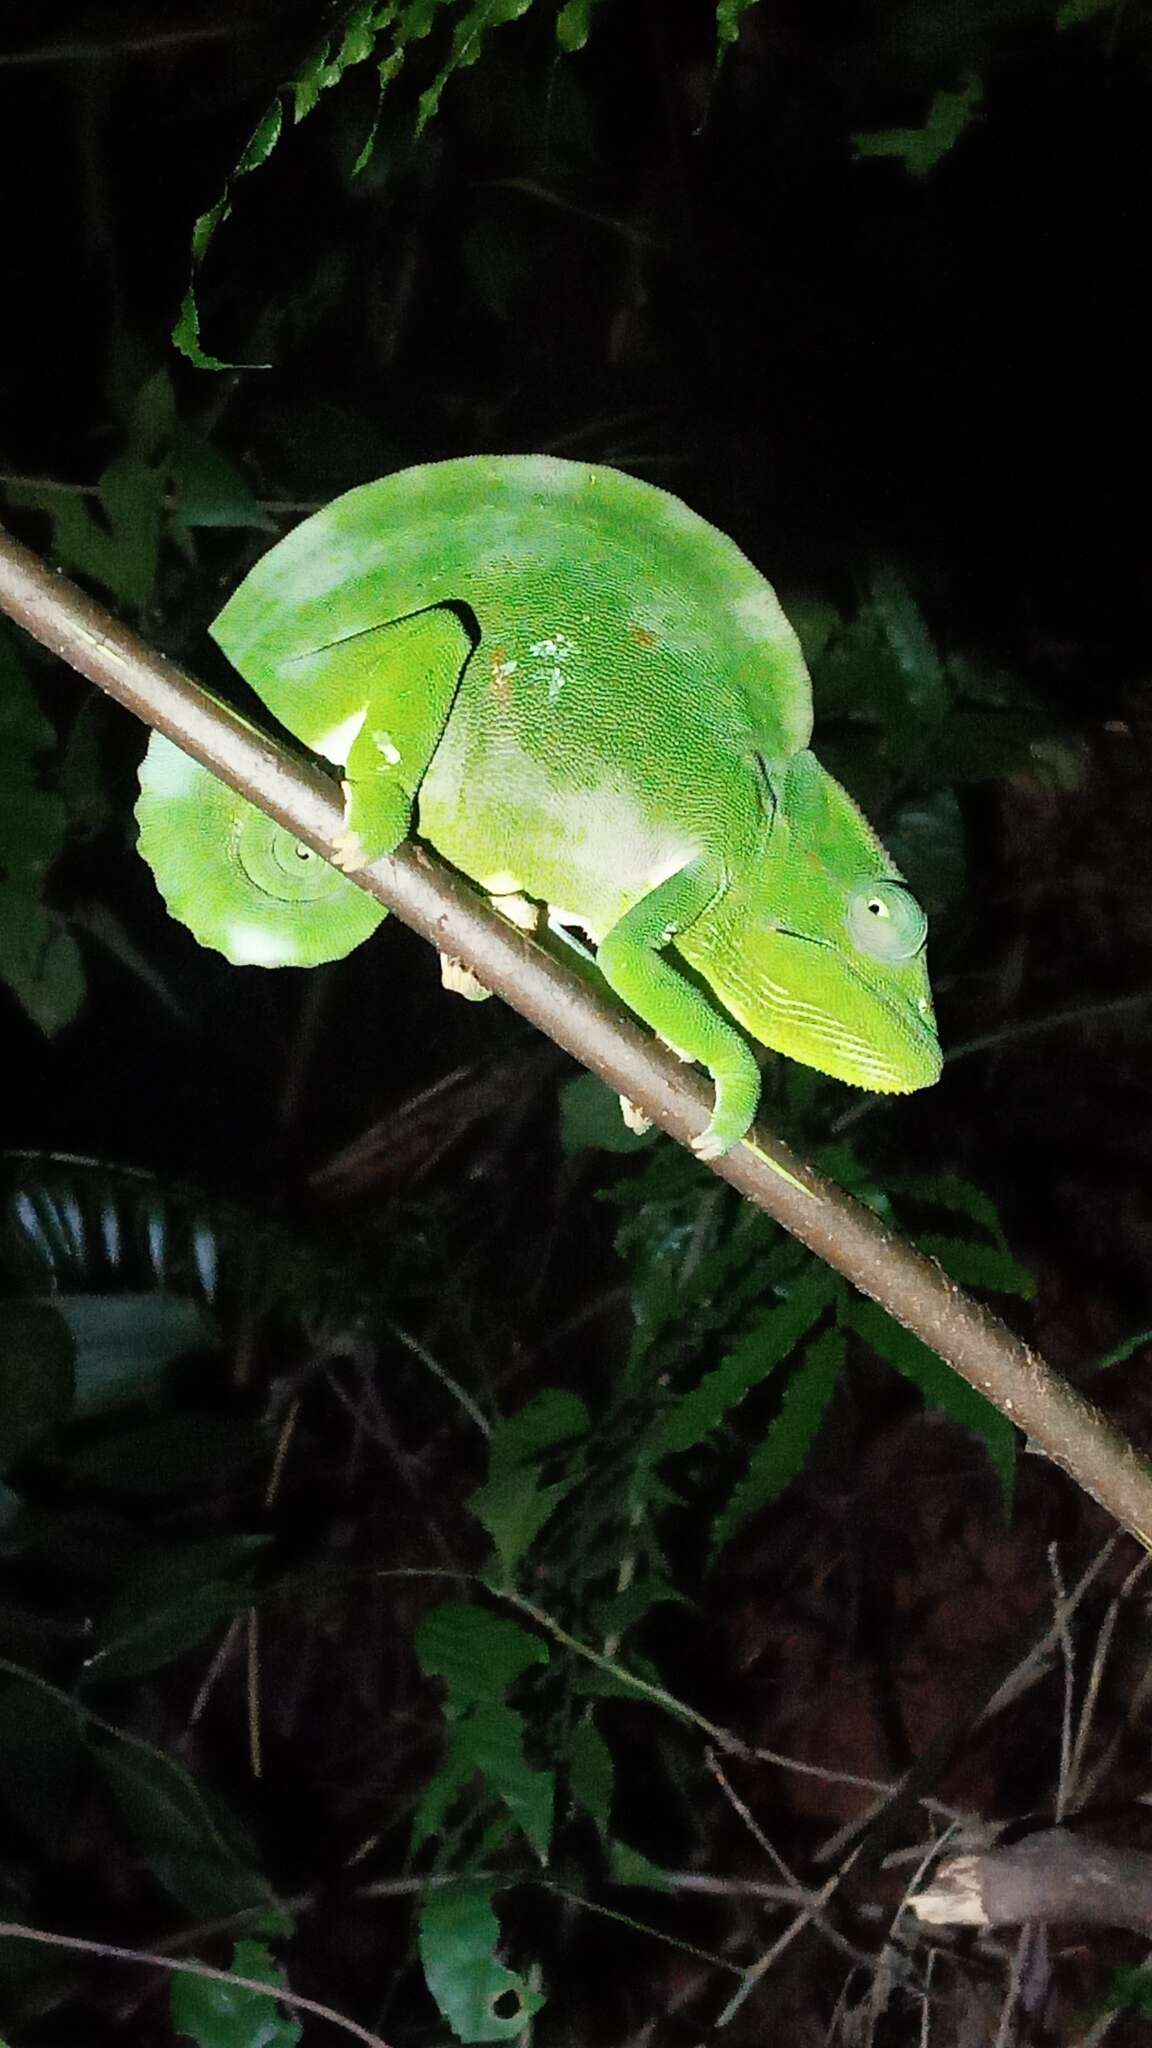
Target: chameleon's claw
point(708, 1145)
point(348, 853)
point(460, 980)
point(348, 847)
point(634, 1118)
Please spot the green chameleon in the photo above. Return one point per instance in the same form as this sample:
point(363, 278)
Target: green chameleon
point(584, 697)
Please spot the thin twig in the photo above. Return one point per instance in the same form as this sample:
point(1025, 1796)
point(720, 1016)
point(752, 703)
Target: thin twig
point(131, 46)
point(459, 1394)
point(1068, 1666)
point(804, 1918)
point(1085, 1784)
point(799, 1893)
point(566, 1003)
point(1021, 1956)
point(157, 1962)
point(1034, 1662)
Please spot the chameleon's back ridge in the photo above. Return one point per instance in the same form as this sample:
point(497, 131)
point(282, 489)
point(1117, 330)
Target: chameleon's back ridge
point(535, 542)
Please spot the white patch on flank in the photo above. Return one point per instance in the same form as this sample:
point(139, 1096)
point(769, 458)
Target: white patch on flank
point(502, 883)
point(386, 745)
point(254, 947)
point(501, 670)
point(337, 744)
point(616, 852)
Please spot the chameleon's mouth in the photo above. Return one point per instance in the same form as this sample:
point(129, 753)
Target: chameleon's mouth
point(786, 1015)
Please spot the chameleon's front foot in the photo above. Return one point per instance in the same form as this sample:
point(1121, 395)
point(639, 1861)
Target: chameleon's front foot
point(376, 818)
point(737, 1099)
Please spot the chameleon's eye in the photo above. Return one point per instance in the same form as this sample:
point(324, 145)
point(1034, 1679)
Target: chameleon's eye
point(280, 865)
point(886, 922)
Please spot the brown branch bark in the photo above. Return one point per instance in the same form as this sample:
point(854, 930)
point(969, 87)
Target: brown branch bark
point(577, 1013)
point(1054, 1877)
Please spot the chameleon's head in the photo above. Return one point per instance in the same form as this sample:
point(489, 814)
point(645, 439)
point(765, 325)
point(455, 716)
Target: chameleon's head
point(819, 951)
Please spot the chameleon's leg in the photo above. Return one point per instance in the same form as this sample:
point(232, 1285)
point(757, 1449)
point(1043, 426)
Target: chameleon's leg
point(629, 959)
point(412, 669)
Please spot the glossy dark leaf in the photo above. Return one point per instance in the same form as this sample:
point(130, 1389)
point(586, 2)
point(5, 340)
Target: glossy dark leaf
point(37, 1376)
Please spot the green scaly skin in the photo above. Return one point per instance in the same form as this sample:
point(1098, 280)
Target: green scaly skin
point(581, 693)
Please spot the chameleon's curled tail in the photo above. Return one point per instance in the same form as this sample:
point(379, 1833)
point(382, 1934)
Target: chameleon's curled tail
point(240, 882)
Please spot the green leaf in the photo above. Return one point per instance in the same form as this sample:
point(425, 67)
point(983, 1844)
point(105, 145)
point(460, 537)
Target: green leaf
point(981, 746)
point(40, 1748)
point(175, 1600)
point(728, 17)
point(551, 1417)
point(479, 1998)
point(1073, 12)
point(513, 1507)
point(125, 1344)
point(478, 1655)
point(40, 961)
point(120, 552)
point(352, 42)
point(1120, 1353)
point(591, 1772)
point(38, 957)
point(1129, 1990)
point(628, 1866)
point(784, 1451)
point(25, 731)
point(186, 333)
point(490, 1739)
point(948, 1191)
point(941, 1387)
point(906, 631)
point(210, 490)
point(927, 839)
point(37, 1377)
point(980, 1265)
point(152, 412)
point(468, 36)
point(775, 1336)
point(444, 1788)
point(514, 1504)
point(591, 1120)
point(174, 1455)
point(921, 149)
point(216, 2015)
point(573, 22)
point(181, 1835)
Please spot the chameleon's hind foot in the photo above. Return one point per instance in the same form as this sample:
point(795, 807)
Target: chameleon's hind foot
point(460, 980)
point(348, 848)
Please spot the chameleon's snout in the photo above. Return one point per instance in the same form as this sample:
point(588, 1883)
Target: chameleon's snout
point(914, 1056)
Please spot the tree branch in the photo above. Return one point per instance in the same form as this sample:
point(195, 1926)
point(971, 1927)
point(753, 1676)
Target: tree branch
point(1055, 1876)
point(576, 1011)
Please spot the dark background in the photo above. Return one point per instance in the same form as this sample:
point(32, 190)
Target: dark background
point(624, 255)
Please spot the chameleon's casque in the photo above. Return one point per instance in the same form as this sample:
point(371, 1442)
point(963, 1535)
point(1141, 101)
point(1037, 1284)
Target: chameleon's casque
point(583, 694)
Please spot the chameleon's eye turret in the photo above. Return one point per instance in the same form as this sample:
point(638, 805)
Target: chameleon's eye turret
point(885, 921)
